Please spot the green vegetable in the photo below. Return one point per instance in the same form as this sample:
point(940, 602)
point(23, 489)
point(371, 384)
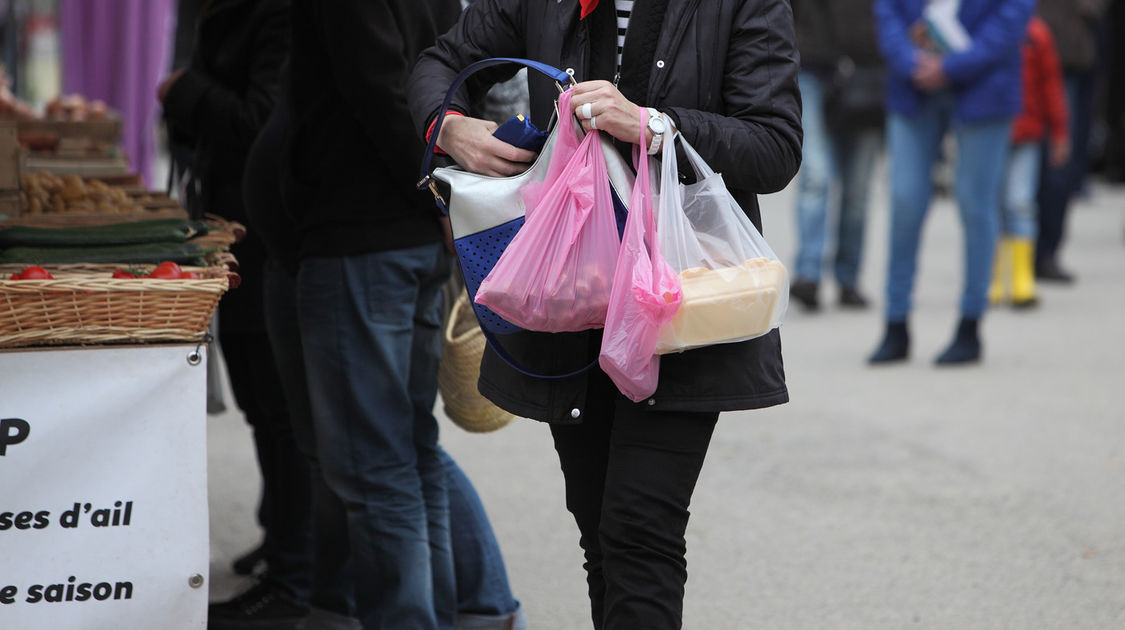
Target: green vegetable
point(157, 231)
point(147, 253)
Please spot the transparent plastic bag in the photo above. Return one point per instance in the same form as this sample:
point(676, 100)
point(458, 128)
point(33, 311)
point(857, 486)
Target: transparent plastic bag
point(734, 287)
point(556, 274)
point(646, 294)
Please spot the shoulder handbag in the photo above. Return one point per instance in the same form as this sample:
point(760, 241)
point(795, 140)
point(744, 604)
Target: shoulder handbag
point(485, 213)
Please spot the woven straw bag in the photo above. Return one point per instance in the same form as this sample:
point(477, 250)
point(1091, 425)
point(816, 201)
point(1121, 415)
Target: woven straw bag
point(462, 346)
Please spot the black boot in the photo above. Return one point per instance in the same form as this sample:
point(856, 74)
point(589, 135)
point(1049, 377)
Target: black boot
point(804, 291)
point(895, 345)
point(965, 347)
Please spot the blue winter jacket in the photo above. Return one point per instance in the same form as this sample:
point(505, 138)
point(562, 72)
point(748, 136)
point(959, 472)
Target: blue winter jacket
point(985, 78)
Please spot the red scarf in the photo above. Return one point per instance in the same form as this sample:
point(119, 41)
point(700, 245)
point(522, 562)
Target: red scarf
point(588, 7)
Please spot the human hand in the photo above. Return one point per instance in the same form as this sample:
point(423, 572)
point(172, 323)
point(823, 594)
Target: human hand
point(929, 73)
point(469, 141)
point(1060, 152)
point(610, 111)
point(166, 85)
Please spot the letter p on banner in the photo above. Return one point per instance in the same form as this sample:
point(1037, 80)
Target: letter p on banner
point(12, 431)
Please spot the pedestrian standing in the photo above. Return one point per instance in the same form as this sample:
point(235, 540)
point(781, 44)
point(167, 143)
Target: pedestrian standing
point(955, 67)
point(841, 82)
point(1074, 24)
point(1042, 122)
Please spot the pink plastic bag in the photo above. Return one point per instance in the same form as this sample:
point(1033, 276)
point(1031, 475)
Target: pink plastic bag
point(646, 294)
point(556, 274)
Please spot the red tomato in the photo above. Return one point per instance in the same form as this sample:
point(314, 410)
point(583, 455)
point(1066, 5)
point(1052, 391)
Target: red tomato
point(14, 276)
point(189, 275)
point(35, 272)
point(168, 265)
point(121, 273)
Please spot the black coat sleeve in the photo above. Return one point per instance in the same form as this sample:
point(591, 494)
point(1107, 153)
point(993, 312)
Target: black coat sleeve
point(224, 117)
point(488, 28)
point(755, 142)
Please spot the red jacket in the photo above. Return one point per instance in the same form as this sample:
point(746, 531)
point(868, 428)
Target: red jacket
point(1044, 101)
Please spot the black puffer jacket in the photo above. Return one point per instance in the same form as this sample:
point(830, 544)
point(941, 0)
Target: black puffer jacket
point(726, 72)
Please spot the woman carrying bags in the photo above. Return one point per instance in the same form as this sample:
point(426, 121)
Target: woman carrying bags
point(724, 74)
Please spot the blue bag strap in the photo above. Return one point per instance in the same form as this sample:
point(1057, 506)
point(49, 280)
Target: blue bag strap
point(512, 363)
point(559, 76)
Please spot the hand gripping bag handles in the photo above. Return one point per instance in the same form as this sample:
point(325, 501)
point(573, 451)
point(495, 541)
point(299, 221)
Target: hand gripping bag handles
point(734, 287)
point(556, 274)
point(646, 294)
point(487, 212)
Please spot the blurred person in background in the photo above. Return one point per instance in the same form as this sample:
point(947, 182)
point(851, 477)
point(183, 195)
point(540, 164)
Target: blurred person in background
point(484, 597)
point(1043, 122)
point(970, 86)
point(370, 265)
point(841, 83)
point(217, 105)
point(1074, 25)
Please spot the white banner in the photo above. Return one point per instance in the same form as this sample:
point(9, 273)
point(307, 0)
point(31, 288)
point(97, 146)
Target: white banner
point(103, 489)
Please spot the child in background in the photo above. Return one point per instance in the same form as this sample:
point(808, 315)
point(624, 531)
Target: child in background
point(1043, 117)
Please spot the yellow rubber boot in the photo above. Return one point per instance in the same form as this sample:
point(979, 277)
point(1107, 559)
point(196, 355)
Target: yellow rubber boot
point(1001, 270)
point(1023, 273)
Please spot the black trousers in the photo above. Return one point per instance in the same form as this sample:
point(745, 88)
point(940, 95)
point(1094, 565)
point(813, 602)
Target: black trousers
point(630, 473)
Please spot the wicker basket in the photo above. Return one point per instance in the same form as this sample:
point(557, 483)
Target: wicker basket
point(462, 347)
point(83, 305)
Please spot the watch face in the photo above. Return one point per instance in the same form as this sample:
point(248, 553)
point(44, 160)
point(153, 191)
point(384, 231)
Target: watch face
point(656, 124)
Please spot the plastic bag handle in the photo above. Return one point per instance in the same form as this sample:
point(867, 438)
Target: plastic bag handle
point(552, 72)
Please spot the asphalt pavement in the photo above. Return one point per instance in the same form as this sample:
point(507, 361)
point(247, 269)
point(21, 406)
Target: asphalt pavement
point(986, 497)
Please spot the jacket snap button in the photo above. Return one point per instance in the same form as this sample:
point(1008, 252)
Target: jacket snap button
point(660, 63)
point(574, 413)
point(651, 402)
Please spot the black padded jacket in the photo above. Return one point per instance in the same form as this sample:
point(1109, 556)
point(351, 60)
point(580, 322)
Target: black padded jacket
point(726, 72)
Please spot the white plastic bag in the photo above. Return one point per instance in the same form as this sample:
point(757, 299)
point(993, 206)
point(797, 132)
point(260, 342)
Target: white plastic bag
point(734, 287)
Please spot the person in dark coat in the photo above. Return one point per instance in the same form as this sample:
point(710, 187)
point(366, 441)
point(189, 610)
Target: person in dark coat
point(841, 95)
point(1074, 24)
point(725, 74)
point(219, 103)
point(370, 267)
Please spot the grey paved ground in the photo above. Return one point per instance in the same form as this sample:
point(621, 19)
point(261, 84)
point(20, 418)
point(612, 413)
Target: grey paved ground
point(991, 497)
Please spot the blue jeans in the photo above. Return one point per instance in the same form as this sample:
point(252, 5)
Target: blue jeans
point(370, 330)
point(982, 157)
point(1018, 217)
point(482, 579)
point(831, 158)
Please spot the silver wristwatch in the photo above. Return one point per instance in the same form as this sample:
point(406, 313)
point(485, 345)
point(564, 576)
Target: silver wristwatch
point(658, 126)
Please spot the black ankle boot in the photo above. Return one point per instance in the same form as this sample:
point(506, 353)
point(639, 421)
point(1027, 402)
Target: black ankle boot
point(965, 347)
point(895, 345)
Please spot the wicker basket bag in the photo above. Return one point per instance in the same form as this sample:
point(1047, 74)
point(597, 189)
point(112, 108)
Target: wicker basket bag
point(462, 346)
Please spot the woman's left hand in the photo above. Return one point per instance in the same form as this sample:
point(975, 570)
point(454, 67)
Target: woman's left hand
point(609, 111)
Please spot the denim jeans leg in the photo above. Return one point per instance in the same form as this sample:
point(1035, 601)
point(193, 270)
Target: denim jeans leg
point(1018, 215)
point(856, 156)
point(982, 161)
point(332, 587)
point(362, 319)
point(423, 387)
point(912, 148)
point(814, 181)
point(482, 579)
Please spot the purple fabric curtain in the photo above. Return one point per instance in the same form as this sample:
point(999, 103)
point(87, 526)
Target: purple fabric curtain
point(117, 51)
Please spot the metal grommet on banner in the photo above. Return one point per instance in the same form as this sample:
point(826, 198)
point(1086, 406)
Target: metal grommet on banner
point(195, 357)
point(195, 581)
